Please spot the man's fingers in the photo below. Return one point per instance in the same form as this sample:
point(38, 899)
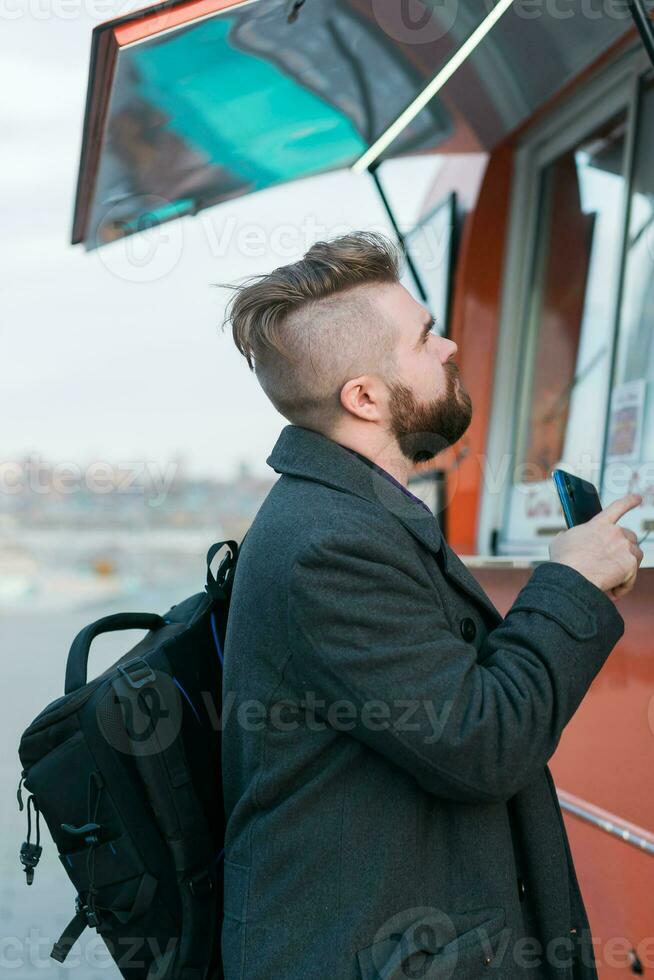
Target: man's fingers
point(619, 590)
point(617, 508)
point(631, 535)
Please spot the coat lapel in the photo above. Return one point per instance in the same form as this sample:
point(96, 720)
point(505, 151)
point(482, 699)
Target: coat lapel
point(304, 453)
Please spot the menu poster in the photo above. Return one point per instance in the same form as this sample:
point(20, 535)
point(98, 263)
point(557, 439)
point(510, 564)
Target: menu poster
point(626, 420)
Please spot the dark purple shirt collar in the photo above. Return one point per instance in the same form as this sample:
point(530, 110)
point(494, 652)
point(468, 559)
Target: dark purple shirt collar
point(387, 475)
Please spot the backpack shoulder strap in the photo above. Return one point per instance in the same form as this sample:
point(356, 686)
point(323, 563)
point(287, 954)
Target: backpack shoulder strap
point(168, 783)
point(220, 586)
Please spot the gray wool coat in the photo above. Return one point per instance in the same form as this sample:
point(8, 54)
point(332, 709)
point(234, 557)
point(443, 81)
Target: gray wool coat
point(386, 732)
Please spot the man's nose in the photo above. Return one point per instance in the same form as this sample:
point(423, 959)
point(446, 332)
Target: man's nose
point(449, 349)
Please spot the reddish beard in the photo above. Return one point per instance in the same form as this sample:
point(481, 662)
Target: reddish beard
point(424, 429)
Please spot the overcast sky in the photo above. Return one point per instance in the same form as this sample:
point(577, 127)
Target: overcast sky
point(117, 355)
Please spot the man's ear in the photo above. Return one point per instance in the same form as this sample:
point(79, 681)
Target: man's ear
point(360, 397)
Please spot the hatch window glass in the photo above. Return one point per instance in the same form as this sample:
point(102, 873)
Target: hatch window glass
point(629, 459)
point(569, 323)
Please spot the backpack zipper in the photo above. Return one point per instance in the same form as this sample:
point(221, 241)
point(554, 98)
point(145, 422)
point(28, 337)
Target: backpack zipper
point(19, 795)
point(30, 853)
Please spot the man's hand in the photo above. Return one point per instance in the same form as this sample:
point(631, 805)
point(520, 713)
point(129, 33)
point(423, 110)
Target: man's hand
point(605, 553)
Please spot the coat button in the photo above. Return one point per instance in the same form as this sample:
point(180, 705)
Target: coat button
point(468, 629)
point(521, 889)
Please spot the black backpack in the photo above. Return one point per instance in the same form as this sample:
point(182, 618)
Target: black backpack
point(126, 771)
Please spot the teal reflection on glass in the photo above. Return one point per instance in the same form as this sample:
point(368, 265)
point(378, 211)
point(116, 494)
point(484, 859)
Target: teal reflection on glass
point(239, 110)
point(154, 216)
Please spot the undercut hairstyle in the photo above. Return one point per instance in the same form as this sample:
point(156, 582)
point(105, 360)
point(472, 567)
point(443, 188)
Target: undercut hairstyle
point(308, 327)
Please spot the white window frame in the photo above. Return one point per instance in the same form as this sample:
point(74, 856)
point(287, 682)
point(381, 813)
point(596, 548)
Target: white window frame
point(615, 88)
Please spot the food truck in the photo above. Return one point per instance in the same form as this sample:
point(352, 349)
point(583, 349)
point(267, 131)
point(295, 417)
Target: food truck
point(534, 251)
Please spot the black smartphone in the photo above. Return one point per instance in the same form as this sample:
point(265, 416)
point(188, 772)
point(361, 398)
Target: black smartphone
point(579, 498)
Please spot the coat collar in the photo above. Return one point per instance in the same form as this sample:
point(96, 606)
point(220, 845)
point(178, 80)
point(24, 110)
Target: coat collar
point(312, 456)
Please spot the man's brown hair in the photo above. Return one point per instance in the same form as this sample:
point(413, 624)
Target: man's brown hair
point(308, 327)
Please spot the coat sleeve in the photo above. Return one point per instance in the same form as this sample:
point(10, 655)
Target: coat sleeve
point(367, 630)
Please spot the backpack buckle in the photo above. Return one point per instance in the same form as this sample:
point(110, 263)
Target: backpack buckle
point(134, 666)
point(201, 884)
point(29, 858)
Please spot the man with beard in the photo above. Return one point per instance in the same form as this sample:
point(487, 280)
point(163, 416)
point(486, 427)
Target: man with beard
point(386, 732)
